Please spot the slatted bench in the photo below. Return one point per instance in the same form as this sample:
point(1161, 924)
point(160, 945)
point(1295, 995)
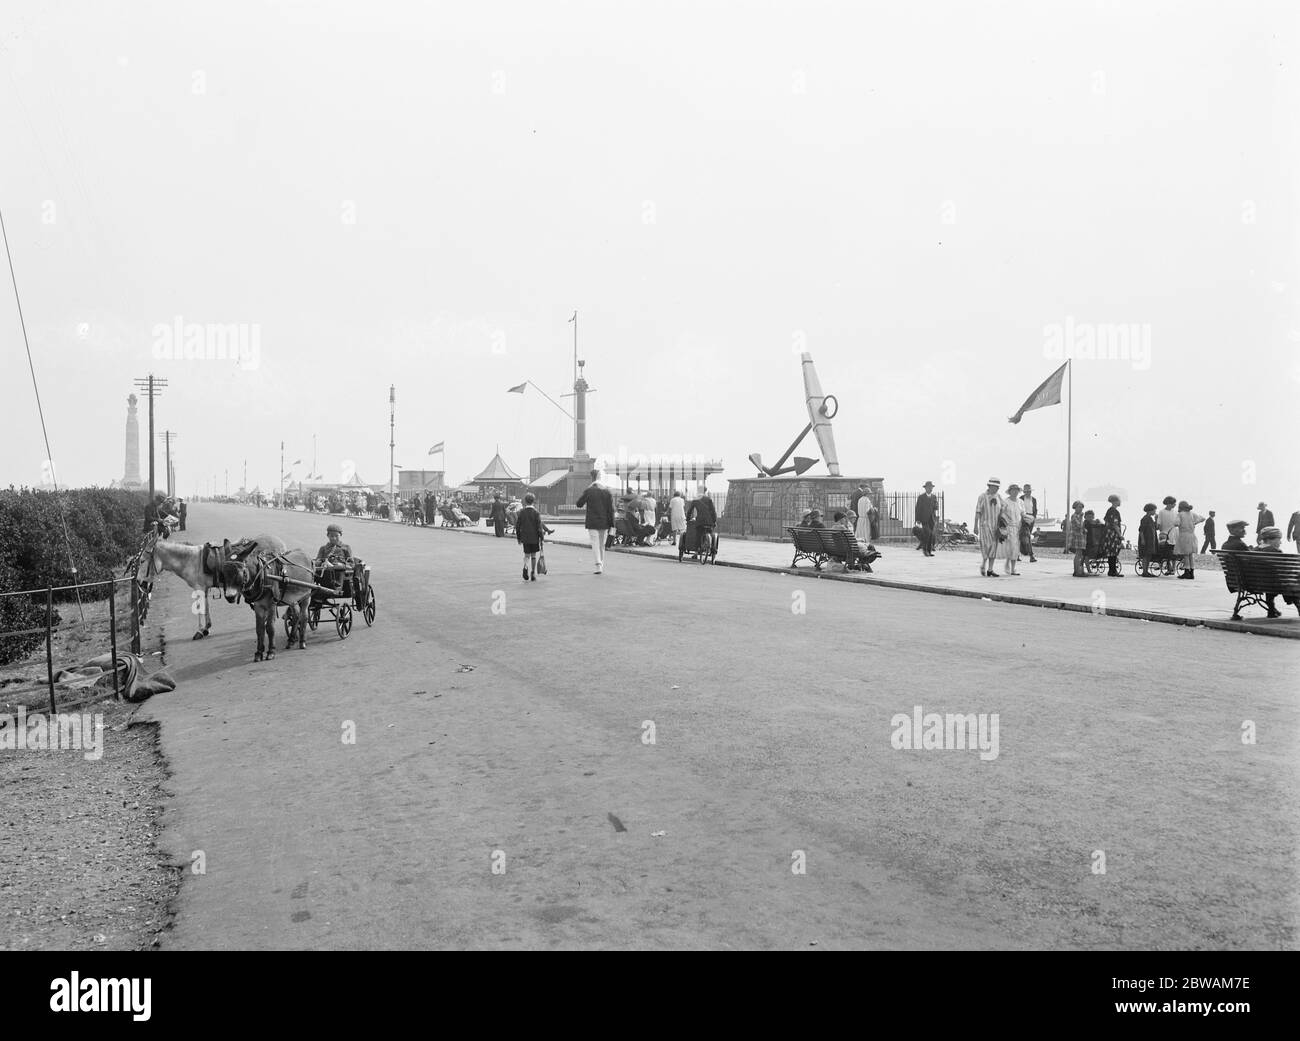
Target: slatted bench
point(1253, 576)
point(819, 545)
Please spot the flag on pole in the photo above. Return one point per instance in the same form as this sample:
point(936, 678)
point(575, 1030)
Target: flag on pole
point(297, 462)
point(1048, 393)
point(436, 448)
point(519, 389)
point(575, 317)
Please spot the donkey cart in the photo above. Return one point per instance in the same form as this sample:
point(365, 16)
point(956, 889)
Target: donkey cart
point(341, 590)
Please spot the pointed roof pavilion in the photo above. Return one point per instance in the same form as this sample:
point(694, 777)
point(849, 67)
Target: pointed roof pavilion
point(497, 471)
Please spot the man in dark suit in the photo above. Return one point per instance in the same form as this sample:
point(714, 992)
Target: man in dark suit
point(1210, 541)
point(1293, 530)
point(705, 515)
point(600, 517)
point(498, 516)
point(1265, 520)
point(927, 515)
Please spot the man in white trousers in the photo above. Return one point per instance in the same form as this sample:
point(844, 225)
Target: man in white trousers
point(600, 517)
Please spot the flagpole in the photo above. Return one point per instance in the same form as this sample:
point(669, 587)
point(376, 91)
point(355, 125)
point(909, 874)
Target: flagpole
point(1069, 437)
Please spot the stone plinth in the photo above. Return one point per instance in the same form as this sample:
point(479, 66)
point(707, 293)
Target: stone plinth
point(763, 507)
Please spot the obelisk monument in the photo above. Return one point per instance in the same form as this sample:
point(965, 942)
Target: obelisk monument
point(131, 479)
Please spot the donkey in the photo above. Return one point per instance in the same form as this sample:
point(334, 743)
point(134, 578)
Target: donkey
point(199, 566)
point(267, 580)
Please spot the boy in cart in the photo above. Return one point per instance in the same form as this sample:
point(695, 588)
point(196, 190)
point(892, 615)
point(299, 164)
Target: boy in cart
point(335, 551)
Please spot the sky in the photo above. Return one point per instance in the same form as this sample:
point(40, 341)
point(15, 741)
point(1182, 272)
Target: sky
point(934, 200)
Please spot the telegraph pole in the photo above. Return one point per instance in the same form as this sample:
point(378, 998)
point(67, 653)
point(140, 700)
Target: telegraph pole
point(169, 437)
point(392, 444)
point(153, 387)
point(281, 475)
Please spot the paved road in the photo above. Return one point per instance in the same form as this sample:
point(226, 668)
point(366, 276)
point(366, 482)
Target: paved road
point(772, 736)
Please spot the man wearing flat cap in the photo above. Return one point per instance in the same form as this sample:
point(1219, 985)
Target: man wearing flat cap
point(927, 516)
point(988, 515)
point(1234, 542)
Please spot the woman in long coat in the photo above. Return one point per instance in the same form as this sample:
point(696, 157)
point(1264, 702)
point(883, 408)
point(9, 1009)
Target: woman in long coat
point(1013, 512)
point(1114, 541)
point(1185, 547)
point(988, 511)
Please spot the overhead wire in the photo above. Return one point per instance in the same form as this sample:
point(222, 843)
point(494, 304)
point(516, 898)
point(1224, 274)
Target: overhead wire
point(40, 411)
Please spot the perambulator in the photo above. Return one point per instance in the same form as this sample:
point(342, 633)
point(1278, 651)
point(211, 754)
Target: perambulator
point(1164, 561)
point(1095, 560)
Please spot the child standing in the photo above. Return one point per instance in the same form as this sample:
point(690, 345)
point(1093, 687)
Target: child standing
point(1076, 537)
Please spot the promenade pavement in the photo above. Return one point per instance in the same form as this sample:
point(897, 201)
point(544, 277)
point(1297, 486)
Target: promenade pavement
point(1049, 582)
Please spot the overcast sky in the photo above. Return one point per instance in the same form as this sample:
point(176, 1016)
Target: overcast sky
point(923, 196)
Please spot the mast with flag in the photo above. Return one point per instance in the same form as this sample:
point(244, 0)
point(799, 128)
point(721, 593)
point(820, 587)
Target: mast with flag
point(1049, 393)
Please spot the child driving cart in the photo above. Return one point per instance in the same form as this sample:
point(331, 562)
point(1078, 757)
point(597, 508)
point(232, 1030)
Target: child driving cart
point(334, 558)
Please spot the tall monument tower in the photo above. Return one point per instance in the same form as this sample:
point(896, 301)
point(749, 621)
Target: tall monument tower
point(131, 478)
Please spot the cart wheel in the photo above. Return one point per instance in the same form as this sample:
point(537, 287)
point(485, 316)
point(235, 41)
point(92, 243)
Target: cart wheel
point(313, 617)
point(368, 612)
point(1178, 567)
point(1137, 566)
point(343, 620)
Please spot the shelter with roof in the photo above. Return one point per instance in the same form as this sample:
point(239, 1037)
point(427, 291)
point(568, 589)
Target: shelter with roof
point(498, 477)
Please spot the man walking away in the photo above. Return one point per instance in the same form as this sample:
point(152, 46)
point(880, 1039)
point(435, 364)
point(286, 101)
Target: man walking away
point(183, 510)
point(927, 515)
point(600, 517)
point(1293, 530)
point(1209, 534)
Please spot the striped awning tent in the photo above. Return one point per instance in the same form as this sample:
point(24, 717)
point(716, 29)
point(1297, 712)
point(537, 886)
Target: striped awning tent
point(662, 471)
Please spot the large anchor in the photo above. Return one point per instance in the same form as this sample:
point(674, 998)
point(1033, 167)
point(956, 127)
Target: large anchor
point(820, 414)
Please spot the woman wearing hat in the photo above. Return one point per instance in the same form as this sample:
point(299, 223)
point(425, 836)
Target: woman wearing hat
point(988, 513)
point(1114, 541)
point(1012, 516)
point(1185, 547)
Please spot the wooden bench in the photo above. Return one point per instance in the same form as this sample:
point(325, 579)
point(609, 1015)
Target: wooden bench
point(1254, 576)
point(818, 545)
point(807, 546)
